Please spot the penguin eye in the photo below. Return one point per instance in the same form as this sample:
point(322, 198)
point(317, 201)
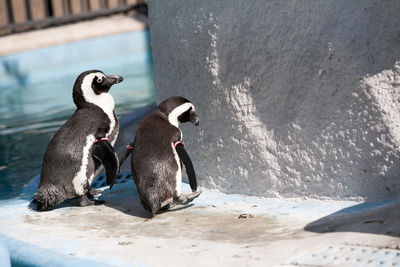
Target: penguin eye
point(99, 80)
point(191, 112)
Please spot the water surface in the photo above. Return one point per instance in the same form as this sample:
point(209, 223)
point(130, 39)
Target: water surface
point(36, 96)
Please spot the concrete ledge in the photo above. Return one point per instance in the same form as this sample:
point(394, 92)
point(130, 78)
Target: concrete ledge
point(4, 256)
point(216, 229)
point(26, 254)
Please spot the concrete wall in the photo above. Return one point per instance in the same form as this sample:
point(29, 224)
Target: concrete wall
point(296, 98)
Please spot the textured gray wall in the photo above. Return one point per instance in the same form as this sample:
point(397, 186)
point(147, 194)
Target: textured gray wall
point(296, 98)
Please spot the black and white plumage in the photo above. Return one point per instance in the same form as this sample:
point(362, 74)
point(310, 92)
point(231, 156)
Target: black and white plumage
point(81, 145)
point(156, 164)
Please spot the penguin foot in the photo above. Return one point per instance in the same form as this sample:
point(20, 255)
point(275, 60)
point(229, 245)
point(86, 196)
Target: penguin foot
point(184, 199)
point(165, 205)
point(84, 201)
point(171, 206)
point(93, 193)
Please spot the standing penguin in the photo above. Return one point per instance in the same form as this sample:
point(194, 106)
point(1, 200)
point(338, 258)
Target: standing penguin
point(157, 153)
point(81, 145)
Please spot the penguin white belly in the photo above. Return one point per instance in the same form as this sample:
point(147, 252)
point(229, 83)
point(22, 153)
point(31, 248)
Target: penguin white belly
point(80, 178)
point(178, 176)
point(112, 142)
point(113, 123)
point(112, 126)
point(106, 102)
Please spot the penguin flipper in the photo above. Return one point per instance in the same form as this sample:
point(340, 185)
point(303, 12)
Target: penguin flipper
point(183, 155)
point(126, 154)
point(104, 152)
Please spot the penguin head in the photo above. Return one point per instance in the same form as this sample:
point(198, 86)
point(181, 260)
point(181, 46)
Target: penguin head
point(179, 110)
point(92, 86)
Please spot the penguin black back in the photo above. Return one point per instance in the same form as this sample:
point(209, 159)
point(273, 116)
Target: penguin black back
point(77, 149)
point(156, 166)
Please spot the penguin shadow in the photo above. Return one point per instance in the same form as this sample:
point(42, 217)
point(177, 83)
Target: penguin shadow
point(135, 209)
point(374, 218)
point(125, 198)
point(122, 197)
point(178, 208)
point(131, 206)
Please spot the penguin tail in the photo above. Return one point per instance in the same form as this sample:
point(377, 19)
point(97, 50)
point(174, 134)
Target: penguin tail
point(46, 198)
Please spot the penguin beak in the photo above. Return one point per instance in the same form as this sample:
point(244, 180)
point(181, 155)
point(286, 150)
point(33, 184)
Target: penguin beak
point(112, 79)
point(195, 119)
point(105, 85)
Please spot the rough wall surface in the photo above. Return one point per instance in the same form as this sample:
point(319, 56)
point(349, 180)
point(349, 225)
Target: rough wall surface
point(296, 98)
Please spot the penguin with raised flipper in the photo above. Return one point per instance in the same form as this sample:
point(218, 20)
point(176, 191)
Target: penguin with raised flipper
point(81, 145)
point(158, 153)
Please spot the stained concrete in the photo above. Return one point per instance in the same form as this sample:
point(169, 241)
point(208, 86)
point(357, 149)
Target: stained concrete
point(215, 230)
point(296, 98)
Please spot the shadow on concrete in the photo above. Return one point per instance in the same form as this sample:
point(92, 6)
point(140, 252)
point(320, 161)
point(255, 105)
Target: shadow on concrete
point(374, 218)
point(132, 208)
point(130, 205)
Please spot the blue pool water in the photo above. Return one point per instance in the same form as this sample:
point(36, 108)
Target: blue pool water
point(36, 95)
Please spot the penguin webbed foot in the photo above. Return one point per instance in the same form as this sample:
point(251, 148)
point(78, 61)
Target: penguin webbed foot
point(184, 199)
point(167, 205)
point(170, 206)
point(93, 193)
point(85, 201)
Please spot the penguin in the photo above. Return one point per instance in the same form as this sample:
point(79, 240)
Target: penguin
point(81, 145)
point(157, 156)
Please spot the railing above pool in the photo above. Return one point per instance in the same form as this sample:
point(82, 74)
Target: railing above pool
point(24, 15)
